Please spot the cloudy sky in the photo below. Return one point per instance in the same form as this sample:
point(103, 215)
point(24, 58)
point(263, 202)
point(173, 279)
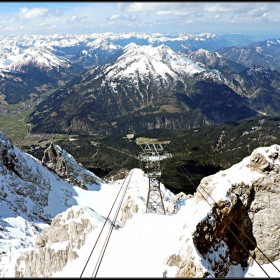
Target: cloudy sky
point(259, 19)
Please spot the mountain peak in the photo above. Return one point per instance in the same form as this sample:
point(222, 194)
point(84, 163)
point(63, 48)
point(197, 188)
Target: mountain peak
point(147, 61)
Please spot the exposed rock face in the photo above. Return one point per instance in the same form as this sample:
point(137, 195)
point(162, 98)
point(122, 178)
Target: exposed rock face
point(34, 185)
point(64, 165)
point(57, 245)
point(55, 161)
point(187, 267)
point(129, 208)
point(247, 214)
point(216, 232)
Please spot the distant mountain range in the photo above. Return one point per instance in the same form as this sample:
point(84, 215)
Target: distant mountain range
point(265, 53)
point(145, 88)
point(215, 97)
point(139, 81)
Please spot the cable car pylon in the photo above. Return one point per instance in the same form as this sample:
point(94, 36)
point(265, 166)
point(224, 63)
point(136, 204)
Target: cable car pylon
point(151, 162)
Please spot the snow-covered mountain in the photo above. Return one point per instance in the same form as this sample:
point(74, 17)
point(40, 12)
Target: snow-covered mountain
point(26, 70)
point(213, 60)
point(53, 60)
point(17, 59)
point(98, 46)
point(49, 227)
point(144, 80)
point(97, 52)
point(157, 64)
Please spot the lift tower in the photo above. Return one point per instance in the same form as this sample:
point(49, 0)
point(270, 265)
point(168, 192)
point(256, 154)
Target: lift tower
point(151, 162)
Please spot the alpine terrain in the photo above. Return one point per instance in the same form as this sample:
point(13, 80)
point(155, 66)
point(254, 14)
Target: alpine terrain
point(145, 88)
point(73, 200)
point(53, 211)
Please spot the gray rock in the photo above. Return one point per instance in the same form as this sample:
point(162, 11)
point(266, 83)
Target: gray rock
point(68, 169)
point(250, 211)
point(44, 261)
point(129, 208)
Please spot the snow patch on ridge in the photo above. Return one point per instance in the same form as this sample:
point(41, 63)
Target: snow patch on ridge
point(148, 62)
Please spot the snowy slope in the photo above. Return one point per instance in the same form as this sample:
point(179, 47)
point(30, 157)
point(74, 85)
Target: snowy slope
point(159, 61)
point(148, 65)
point(141, 248)
point(31, 195)
point(143, 244)
point(38, 57)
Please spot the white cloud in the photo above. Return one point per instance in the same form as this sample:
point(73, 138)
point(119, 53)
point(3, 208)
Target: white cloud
point(26, 13)
point(120, 17)
point(163, 8)
point(7, 28)
point(230, 7)
point(75, 19)
point(132, 18)
point(164, 12)
point(253, 9)
point(57, 12)
point(115, 17)
point(43, 24)
point(259, 12)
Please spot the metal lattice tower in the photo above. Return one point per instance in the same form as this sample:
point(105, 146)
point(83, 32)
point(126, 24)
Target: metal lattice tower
point(151, 161)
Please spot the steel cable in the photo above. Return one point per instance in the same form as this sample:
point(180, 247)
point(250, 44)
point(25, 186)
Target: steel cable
point(102, 229)
point(97, 266)
point(182, 169)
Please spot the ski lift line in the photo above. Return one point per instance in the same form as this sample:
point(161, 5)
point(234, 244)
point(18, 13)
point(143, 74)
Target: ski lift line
point(101, 255)
point(230, 229)
point(102, 228)
point(232, 221)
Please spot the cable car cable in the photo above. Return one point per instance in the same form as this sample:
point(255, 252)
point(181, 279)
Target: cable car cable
point(233, 233)
point(97, 266)
point(102, 228)
point(234, 223)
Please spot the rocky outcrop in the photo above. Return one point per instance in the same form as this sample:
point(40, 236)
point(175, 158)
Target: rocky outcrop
point(223, 228)
point(239, 224)
point(25, 180)
point(55, 161)
point(57, 245)
point(65, 166)
point(129, 208)
point(187, 267)
point(31, 195)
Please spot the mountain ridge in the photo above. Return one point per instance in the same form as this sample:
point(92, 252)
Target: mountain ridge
point(139, 84)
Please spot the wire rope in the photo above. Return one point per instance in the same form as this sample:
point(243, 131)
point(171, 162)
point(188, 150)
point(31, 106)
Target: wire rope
point(234, 223)
point(102, 229)
point(182, 169)
point(101, 255)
